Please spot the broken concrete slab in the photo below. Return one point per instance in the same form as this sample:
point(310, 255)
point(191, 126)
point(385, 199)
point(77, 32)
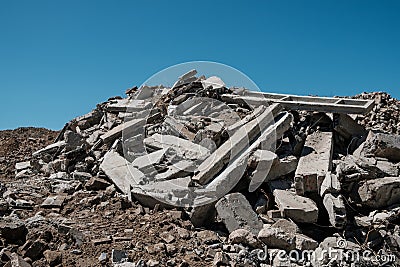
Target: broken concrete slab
point(50, 149)
point(282, 167)
point(236, 213)
point(176, 170)
point(262, 160)
point(184, 148)
point(53, 202)
point(19, 166)
point(380, 145)
point(121, 172)
point(128, 127)
point(235, 145)
point(380, 192)
point(314, 163)
point(347, 127)
point(277, 237)
point(179, 128)
point(336, 210)
point(147, 162)
point(295, 207)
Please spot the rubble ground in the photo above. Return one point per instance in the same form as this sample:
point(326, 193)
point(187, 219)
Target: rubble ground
point(123, 184)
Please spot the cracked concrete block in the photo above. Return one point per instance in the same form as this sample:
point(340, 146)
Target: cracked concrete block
point(380, 192)
point(381, 145)
point(282, 236)
point(262, 160)
point(295, 207)
point(121, 172)
point(184, 148)
point(236, 213)
point(314, 163)
point(116, 132)
point(336, 210)
point(148, 161)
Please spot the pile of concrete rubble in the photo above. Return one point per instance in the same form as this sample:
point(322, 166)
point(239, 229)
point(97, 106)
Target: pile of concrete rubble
point(277, 177)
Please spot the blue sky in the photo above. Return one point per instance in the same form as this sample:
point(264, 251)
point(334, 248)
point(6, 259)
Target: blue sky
point(58, 59)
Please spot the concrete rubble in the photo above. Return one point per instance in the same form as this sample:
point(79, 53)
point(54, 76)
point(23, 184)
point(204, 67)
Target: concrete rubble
point(202, 173)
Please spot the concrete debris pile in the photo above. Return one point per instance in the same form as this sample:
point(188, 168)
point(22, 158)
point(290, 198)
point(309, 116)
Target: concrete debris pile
point(263, 173)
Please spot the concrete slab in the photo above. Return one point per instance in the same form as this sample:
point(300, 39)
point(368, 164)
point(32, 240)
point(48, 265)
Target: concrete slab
point(380, 192)
point(298, 208)
point(184, 148)
point(315, 162)
point(116, 132)
point(121, 172)
point(236, 213)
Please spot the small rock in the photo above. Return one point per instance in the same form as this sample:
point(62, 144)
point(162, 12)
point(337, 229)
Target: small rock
point(53, 258)
point(243, 236)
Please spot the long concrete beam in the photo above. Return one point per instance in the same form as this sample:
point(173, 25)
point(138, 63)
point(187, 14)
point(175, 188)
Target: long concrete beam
point(235, 144)
point(293, 102)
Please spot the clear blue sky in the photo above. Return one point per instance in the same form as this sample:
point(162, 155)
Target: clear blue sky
point(58, 59)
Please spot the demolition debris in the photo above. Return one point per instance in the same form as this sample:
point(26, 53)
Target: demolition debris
point(200, 174)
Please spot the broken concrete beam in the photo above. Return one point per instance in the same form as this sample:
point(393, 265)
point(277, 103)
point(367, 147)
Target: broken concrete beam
point(336, 210)
point(169, 193)
point(184, 148)
point(293, 102)
point(381, 145)
point(380, 192)
point(50, 149)
point(231, 175)
point(116, 132)
point(298, 208)
point(176, 170)
point(179, 128)
point(121, 172)
point(315, 162)
point(282, 167)
point(263, 160)
point(236, 213)
point(348, 128)
point(234, 145)
point(147, 162)
point(254, 114)
point(127, 105)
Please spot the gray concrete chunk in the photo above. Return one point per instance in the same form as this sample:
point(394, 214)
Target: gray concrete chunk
point(297, 208)
point(315, 162)
point(117, 131)
point(121, 172)
point(236, 213)
point(184, 148)
point(381, 145)
point(380, 192)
